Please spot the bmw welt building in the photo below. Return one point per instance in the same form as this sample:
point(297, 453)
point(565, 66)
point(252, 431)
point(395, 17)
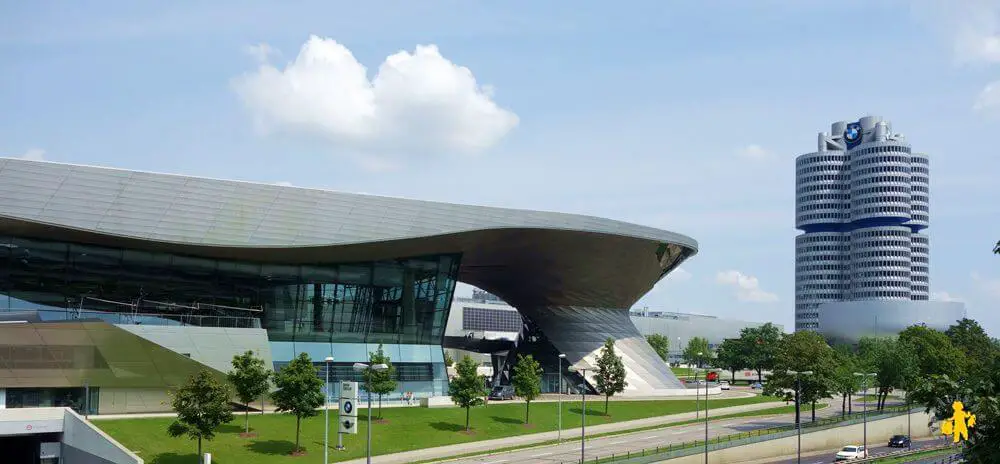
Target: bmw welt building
point(121, 283)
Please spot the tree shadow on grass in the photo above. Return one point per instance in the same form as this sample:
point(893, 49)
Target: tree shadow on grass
point(590, 412)
point(272, 447)
point(506, 420)
point(231, 428)
point(447, 426)
point(174, 458)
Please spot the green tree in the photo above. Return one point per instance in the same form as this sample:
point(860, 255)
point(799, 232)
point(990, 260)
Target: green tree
point(660, 344)
point(936, 355)
point(981, 352)
point(299, 391)
point(249, 377)
point(979, 397)
point(527, 381)
point(379, 382)
point(448, 360)
point(609, 374)
point(202, 404)
point(894, 363)
point(761, 346)
point(845, 383)
point(691, 352)
point(730, 356)
point(467, 388)
point(802, 351)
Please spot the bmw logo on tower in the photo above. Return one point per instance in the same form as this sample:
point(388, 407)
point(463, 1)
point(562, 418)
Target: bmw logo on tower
point(852, 134)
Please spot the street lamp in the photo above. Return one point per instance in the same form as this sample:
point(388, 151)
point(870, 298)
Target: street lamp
point(559, 390)
point(864, 393)
point(697, 389)
point(326, 413)
point(582, 369)
point(361, 367)
point(798, 410)
point(706, 415)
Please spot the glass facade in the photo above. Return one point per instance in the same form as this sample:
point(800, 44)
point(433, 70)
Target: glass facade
point(400, 301)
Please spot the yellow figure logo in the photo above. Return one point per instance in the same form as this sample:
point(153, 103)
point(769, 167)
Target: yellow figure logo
point(959, 423)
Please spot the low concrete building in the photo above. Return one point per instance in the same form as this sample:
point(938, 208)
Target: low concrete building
point(680, 328)
point(57, 435)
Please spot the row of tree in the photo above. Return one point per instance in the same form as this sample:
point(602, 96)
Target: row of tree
point(204, 402)
point(468, 388)
point(933, 368)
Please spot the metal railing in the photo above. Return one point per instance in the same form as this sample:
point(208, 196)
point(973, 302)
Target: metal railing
point(157, 319)
point(677, 450)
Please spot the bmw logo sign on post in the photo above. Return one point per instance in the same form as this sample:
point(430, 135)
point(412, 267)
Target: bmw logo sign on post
point(348, 413)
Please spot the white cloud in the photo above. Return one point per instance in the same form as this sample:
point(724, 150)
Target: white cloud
point(972, 27)
point(987, 285)
point(34, 154)
point(262, 51)
point(754, 152)
point(417, 102)
point(989, 97)
point(945, 296)
point(747, 287)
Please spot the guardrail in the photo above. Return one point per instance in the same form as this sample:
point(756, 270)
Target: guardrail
point(951, 458)
point(158, 319)
point(671, 451)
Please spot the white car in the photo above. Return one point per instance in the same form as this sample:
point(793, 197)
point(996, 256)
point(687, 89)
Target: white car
point(724, 384)
point(850, 452)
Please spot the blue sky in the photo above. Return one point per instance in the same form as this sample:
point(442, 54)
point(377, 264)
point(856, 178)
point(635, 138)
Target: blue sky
point(680, 115)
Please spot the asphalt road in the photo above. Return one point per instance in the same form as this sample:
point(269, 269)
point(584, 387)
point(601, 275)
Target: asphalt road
point(873, 450)
point(620, 444)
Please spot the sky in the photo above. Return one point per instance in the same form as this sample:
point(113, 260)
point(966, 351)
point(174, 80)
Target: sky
point(685, 116)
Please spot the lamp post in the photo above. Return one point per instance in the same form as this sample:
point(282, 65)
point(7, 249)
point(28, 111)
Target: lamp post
point(798, 410)
point(361, 367)
point(559, 389)
point(583, 411)
point(706, 416)
point(326, 413)
point(697, 389)
point(864, 392)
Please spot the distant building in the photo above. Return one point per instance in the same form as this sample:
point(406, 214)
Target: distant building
point(680, 328)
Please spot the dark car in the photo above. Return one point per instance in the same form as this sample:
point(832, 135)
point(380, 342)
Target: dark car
point(899, 441)
point(502, 392)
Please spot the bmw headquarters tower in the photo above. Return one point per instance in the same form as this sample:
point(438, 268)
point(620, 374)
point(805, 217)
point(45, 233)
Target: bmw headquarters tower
point(861, 263)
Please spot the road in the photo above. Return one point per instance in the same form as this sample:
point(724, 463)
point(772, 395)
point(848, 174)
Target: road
point(635, 441)
point(827, 456)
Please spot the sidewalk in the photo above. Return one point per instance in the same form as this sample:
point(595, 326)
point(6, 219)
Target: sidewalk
point(396, 403)
point(484, 446)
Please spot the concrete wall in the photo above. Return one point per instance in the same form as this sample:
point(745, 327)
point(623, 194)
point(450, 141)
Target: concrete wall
point(82, 443)
point(879, 432)
point(211, 346)
point(133, 400)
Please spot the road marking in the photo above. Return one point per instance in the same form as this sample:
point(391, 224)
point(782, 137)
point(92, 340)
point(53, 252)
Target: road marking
point(679, 432)
point(650, 437)
point(495, 462)
point(540, 455)
point(617, 442)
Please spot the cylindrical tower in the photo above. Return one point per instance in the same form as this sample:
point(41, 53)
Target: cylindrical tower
point(861, 201)
point(919, 219)
point(880, 206)
point(822, 252)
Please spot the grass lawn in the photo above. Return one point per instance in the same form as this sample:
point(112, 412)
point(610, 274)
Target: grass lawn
point(406, 429)
point(682, 371)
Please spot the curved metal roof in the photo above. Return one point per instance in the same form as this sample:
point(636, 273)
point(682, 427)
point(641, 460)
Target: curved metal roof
point(522, 256)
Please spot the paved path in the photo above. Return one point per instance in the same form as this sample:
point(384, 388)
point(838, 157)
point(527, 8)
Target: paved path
point(546, 398)
point(570, 451)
